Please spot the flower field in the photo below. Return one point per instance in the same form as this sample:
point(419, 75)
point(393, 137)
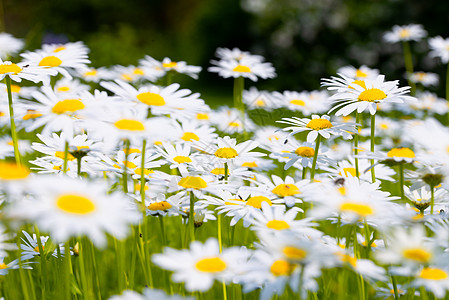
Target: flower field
point(120, 183)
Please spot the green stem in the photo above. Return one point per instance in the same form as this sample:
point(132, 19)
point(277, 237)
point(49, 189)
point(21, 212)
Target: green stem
point(43, 262)
point(83, 273)
point(239, 85)
point(373, 141)
point(401, 180)
point(68, 271)
point(395, 287)
point(432, 198)
point(447, 88)
point(220, 239)
point(142, 177)
point(408, 65)
point(66, 157)
point(304, 172)
point(301, 281)
point(192, 216)
point(367, 239)
point(161, 222)
point(315, 157)
point(125, 171)
point(15, 140)
point(78, 166)
point(356, 145)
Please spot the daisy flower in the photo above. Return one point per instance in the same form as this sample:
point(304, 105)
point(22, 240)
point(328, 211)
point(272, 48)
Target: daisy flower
point(95, 74)
point(286, 191)
point(412, 32)
point(236, 54)
point(177, 156)
point(360, 73)
point(161, 206)
point(434, 279)
point(301, 155)
point(9, 45)
point(255, 99)
point(231, 120)
point(188, 131)
point(22, 70)
point(202, 264)
point(394, 156)
point(425, 78)
point(346, 168)
point(318, 126)
point(226, 149)
point(439, 47)
point(59, 58)
point(67, 208)
point(30, 246)
point(245, 67)
point(365, 95)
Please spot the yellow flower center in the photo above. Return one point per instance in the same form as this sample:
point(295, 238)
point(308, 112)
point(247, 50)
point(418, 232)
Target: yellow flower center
point(319, 124)
point(234, 124)
point(250, 164)
point(360, 83)
point(260, 103)
point(226, 152)
point(211, 265)
point(63, 89)
point(50, 61)
point(350, 171)
point(192, 182)
point(31, 114)
point(2, 114)
point(60, 154)
point(129, 124)
point(163, 205)
point(256, 201)
point(138, 71)
point(127, 163)
point(3, 266)
point(138, 171)
point(362, 210)
point(12, 171)
point(11, 68)
point(171, 64)
point(182, 159)
point(242, 69)
point(372, 95)
point(417, 254)
point(384, 126)
point(188, 136)
point(404, 33)
point(278, 224)
point(294, 253)
point(433, 274)
point(15, 88)
point(151, 99)
point(401, 152)
point(348, 259)
point(285, 190)
point(75, 204)
point(297, 102)
point(233, 203)
point(67, 105)
point(202, 116)
point(218, 171)
point(90, 73)
point(305, 151)
point(60, 48)
point(281, 268)
point(359, 73)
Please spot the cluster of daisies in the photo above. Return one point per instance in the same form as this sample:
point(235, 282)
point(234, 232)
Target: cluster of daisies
point(350, 190)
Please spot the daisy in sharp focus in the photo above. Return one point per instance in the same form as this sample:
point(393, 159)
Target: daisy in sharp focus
point(286, 190)
point(412, 32)
point(202, 264)
point(318, 126)
point(361, 95)
point(22, 70)
point(178, 156)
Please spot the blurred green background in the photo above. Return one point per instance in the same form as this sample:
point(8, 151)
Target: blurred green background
point(304, 39)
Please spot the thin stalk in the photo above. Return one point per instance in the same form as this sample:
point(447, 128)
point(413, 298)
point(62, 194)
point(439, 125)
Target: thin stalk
point(304, 172)
point(408, 65)
point(15, 140)
point(43, 262)
point(301, 282)
point(192, 216)
point(66, 157)
point(125, 171)
point(367, 239)
point(161, 222)
point(220, 239)
point(23, 280)
point(356, 144)
point(68, 271)
point(83, 273)
point(447, 88)
point(239, 85)
point(142, 177)
point(401, 180)
point(395, 287)
point(432, 198)
point(94, 266)
point(373, 141)
point(78, 166)
point(315, 157)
